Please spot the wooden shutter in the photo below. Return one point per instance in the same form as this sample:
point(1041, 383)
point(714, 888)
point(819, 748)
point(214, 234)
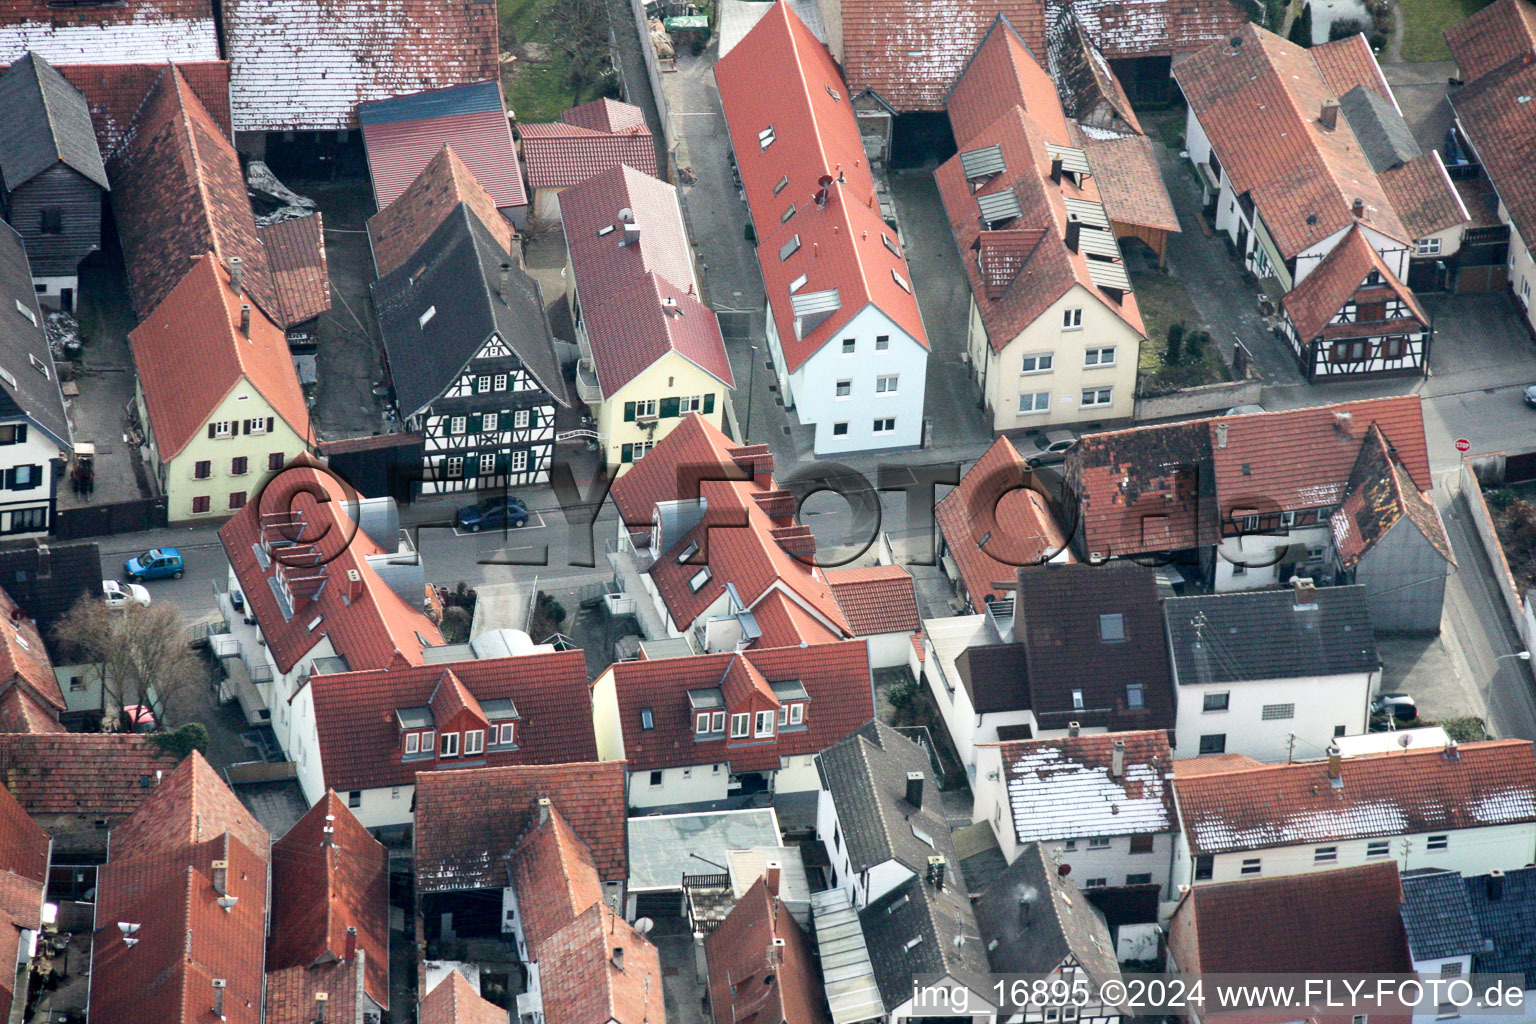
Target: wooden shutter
point(709, 402)
point(627, 452)
point(629, 413)
point(668, 408)
point(210, 430)
point(269, 424)
point(245, 426)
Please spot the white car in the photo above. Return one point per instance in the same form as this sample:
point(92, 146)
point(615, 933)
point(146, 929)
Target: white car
point(121, 595)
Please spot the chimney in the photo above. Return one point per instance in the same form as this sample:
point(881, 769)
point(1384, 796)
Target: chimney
point(44, 562)
point(1452, 753)
point(936, 866)
point(1304, 591)
point(915, 789)
point(221, 877)
point(237, 275)
point(328, 833)
point(631, 234)
point(1117, 760)
point(1328, 117)
point(351, 945)
point(776, 952)
point(1335, 768)
point(1073, 729)
point(1056, 169)
point(1074, 230)
point(505, 285)
point(218, 998)
point(1024, 902)
point(321, 998)
point(543, 809)
point(618, 957)
point(1494, 881)
point(771, 876)
point(245, 319)
point(1358, 208)
point(1221, 435)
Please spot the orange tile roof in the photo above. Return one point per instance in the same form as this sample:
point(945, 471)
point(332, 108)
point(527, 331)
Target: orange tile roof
point(876, 599)
point(325, 883)
point(372, 629)
point(1208, 764)
point(114, 93)
point(296, 257)
point(291, 992)
point(992, 512)
point(23, 659)
point(695, 449)
point(751, 977)
point(780, 77)
point(1380, 495)
point(21, 907)
point(555, 880)
point(23, 845)
point(1313, 303)
point(402, 227)
point(85, 773)
point(1391, 794)
point(784, 623)
point(581, 977)
point(199, 322)
point(1490, 110)
point(450, 698)
point(1001, 74)
point(1502, 32)
point(22, 712)
point(1348, 62)
point(1424, 195)
point(462, 843)
point(455, 1001)
point(1130, 183)
point(190, 805)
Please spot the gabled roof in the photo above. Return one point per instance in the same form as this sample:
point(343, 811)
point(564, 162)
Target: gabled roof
point(1379, 495)
point(199, 322)
point(45, 578)
point(995, 677)
point(82, 773)
point(22, 712)
point(402, 135)
point(190, 805)
point(291, 992)
point(457, 273)
point(1002, 73)
point(375, 628)
point(587, 140)
point(694, 450)
point(455, 1001)
point(1252, 635)
point(554, 877)
point(1437, 916)
point(1501, 32)
point(462, 843)
point(114, 92)
point(992, 512)
point(330, 877)
point(1384, 135)
point(177, 193)
point(30, 384)
point(1033, 918)
point(1399, 793)
point(1124, 29)
point(1342, 920)
point(760, 964)
point(360, 739)
point(47, 123)
point(1060, 613)
point(400, 229)
point(876, 599)
point(168, 30)
point(296, 258)
point(582, 978)
point(1313, 303)
point(307, 66)
point(1418, 191)
point(23, 845)
point(790, 120)
point(1065, 788)
point(24, 662)
point(835, 677)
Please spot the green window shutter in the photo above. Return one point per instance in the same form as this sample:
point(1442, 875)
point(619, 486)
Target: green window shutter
point(471, 465)
point(668, 407)
point(629, 415)
point(627, 453)
point(502, 462)
point(474, 423)
point(709, 403)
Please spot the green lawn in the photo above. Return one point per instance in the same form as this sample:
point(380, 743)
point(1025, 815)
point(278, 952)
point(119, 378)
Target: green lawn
point(1163, 303)
point(1425, 22)
point(536, 90)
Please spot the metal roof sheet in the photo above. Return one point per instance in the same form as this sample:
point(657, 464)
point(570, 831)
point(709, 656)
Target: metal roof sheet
point(997, 207)
point(979, 163)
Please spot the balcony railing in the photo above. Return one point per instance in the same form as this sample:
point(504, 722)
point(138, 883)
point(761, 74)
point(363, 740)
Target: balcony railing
point(587, 388)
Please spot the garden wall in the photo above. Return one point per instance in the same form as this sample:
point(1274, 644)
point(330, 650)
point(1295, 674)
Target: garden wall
point(1208, 398)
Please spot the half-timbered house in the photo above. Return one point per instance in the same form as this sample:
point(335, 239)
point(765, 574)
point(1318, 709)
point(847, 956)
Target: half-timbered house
point(1352, 317)
point(472, 360)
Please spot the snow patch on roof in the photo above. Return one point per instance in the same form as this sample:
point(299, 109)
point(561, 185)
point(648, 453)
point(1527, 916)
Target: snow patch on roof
point(1358, 821)
point(147, 42)
point(1055, 797)
point(1504, 805)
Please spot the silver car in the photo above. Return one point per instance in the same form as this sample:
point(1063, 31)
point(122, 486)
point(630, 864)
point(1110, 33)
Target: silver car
point(1050, 447)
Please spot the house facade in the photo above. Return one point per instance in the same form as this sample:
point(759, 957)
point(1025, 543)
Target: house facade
point(1460, 925)
point(472, 360)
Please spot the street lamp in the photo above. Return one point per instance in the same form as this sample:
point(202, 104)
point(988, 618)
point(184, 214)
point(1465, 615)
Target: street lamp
point(746, 434)
point(1522, 655)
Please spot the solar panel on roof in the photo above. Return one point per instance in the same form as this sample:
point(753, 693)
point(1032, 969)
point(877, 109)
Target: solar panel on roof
point(1074, 160)
point(979, 163)
point(999, 206)
point(807, 303)
point(1085, 212)
point(1098, 242)
point(1109, 275)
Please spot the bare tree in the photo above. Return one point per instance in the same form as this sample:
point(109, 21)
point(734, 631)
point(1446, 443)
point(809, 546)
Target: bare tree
point(582, 29)
point(139, 652)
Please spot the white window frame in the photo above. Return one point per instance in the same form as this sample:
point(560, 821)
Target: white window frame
point(697, 580)
point(796, 714)
point(488, 421)
point(488, 464)
point(843, 390)
point(882, 342)
point(1072, 319)
point(428, 740)
point(1097, 356)
point(474, 742)
point(1094, 398)
point(690, 403)
point(524, 418)
point(1035, 406)
point(886, 383)
point(1036, 362)
point(717, 721)
point(645, 409)
point(258, 425)
point(450, 747)
point(1098, 843)
point(500, 382)
point(453, 466)
point(508, 733)
point(850, 346)
point(701, 723)
point(412, 743)
point(223, 429)
point(482, 383)
point(764, 724)
point(1427, 247)
point(741, 725)
point(458, 424)
point(520, 461)
point(884, 425)
point(1251, 866)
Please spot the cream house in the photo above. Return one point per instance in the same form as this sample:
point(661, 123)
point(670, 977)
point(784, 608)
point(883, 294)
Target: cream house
point(217, 393)
point(651, 352)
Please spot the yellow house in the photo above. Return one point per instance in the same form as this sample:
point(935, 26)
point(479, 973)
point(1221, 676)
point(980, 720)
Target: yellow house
point(218, 396)
point(651, 352)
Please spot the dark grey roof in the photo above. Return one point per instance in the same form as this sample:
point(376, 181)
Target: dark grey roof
point(29, 382)
point(1506, 915)
point(945, 927)
point(995, 677)
point(1384, 136)
point(457, 274)
point(46, 579)
point(1264, 634)
point(46, 121)
point(1032, 918)
point(1438, 916)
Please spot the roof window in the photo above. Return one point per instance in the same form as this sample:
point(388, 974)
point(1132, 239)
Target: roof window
point(789, 248)
point(765, 137)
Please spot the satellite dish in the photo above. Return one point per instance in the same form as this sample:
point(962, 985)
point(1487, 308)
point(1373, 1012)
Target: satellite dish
point(1405, 740)
point(643, 925)
point(1064, 869)
point(824, 181)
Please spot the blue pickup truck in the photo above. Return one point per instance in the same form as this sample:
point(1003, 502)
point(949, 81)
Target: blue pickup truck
point(154, 564)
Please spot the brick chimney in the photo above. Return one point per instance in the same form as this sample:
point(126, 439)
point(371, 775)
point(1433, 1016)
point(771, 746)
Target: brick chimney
point(237, 275)
point(1328, 117)
point(245, 319)
point(1358, 208)
point(1335, 768)
point(771, 877)
point(915, 789)
point(351, 945)
point(504, 287)
point(221, 877)
point(1494, 885)
point(1304, 592)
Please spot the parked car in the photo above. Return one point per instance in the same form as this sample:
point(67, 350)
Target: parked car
point(1051, 447)
point(155, 564)
point(118, 595)
point(502, 510)
point(1243, 410)
point(1530, 395)
point(1400, 706)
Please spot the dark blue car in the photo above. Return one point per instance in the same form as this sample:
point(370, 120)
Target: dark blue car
point(494, 513)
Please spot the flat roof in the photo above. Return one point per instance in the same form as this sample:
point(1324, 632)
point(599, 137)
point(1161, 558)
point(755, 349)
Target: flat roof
point(665, 847)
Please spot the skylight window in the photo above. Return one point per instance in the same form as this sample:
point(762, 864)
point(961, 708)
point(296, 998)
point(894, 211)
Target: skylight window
point(834, 93)
point(40, 366)
point(789, 248)
point(26, 311)
point(703, 576)
point(426, 317)
point(765, 137)
point(905, 285)
point(798, 283)
point(606, 229)
point(688, 552)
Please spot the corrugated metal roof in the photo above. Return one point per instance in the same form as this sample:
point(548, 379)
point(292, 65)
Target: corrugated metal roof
point(849, 976)
point(979, 163)
point(1074, 160)
point(1109, 275)
point(402, 135)
point(1098, 242)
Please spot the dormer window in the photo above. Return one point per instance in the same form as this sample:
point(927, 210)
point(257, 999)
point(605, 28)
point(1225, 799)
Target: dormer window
point(764, 723)
point(504, 735)
point(474, 742)
point(416, 731)
point(688, 552)
point(791, 715)
point(450, 744)
point(412, 743)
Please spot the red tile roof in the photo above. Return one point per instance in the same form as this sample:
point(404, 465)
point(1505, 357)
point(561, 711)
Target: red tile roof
point(1313, 303)
point(1399, 793)
point(82, 773)
point(1502, 32)
point(582, 979)
point(780, 77)
point(21, 712)
point(587, 140)
point(992, 511)
point(463, 843)
point(296, 256)
point(1124, 29)
point(190, 805)
point(177, 193)
point(114, 93)
point(291, 992)
point(329, 876)
point(1130, 183)
point(21, 907)
point(1424, 195)
point(309, 65)
point(555, 879)
point(784, 623)
point(1304, 178)
point(24, 663)
point(23, 845)
point(1212, 763)
point(694, 449)
point(372, 629)
point(403, 227)
point(199, 320)
point(1001, 74)
point(1346, 920)
point(638, 300)
point(877, 599)
point(1500, 127)
point(1348, 62)
point(836, 678)
point(360, 739)
point(455, 1001)
point(470, 118)
point(750, 977)
point(1381, 495)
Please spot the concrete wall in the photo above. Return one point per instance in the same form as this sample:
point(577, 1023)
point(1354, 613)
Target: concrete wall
point(653, 71)
point(889, 650)
point(1404, 578)
point(1521, 613)
point(1208, 398)
point(1321, 704)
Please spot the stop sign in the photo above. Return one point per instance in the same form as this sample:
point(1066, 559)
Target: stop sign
point(1463, 445)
